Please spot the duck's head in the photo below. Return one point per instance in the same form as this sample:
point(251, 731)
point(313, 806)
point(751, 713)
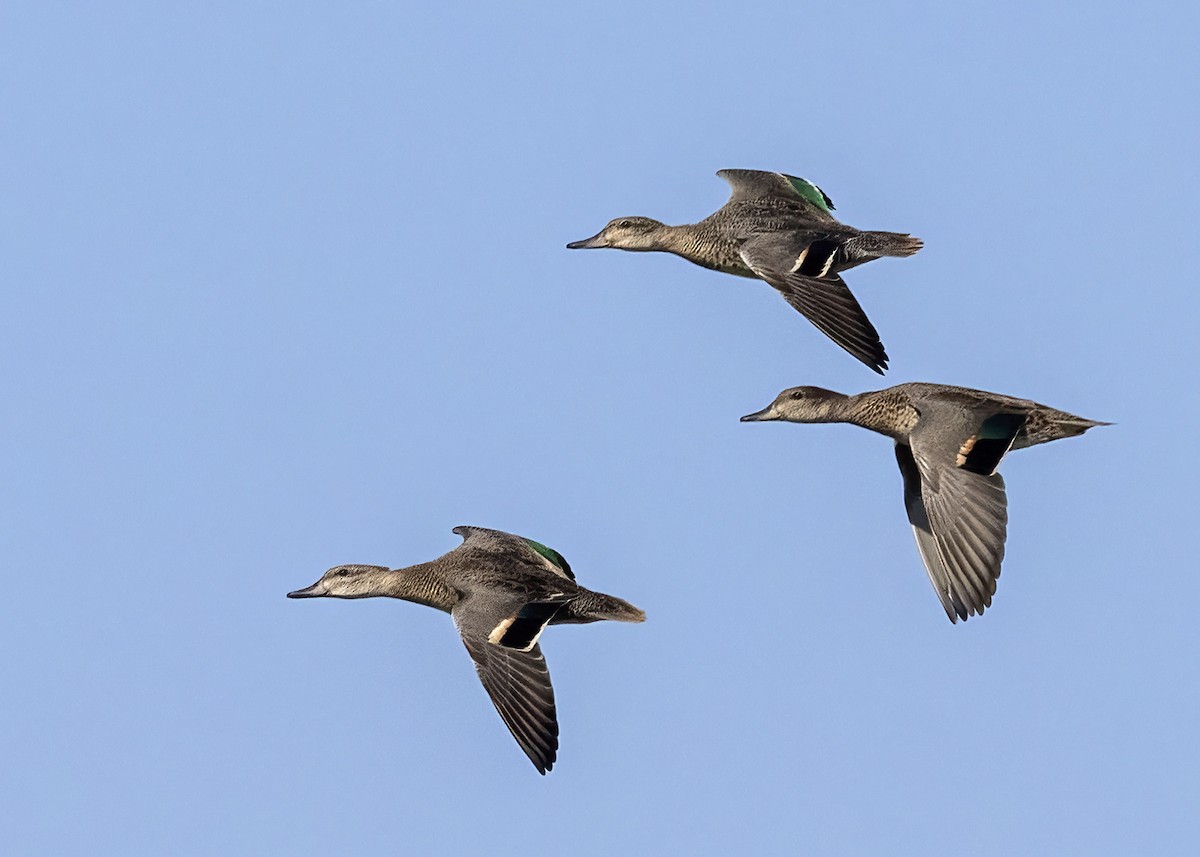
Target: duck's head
point(344, 581)
point(624, 233)
point(799, 405)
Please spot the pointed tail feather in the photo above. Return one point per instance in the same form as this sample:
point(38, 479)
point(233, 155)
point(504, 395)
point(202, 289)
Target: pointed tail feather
point(876, 244)
point(1073, 426)
point(1042, 426)
point(596, 607)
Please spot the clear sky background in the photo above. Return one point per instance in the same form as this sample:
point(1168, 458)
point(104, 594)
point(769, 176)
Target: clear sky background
point(284, 287)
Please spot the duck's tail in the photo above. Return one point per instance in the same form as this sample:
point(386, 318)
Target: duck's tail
point(595, 607)
point(1069, 425)
point(868, 246)
point(1042, 426)
point(876, 244)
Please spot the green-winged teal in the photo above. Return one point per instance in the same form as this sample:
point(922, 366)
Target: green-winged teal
point(502, 591)
point(949, 442)
point(777, 228)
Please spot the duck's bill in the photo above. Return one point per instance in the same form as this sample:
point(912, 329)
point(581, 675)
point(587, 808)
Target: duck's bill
point(759, 416)
point(314, 591)
point(592, 243)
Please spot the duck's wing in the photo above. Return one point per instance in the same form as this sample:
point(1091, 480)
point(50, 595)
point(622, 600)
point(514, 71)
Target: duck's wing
point(747, 185)
point(519, 548)
point(501, 636)
point(552, 560)
point(956, 503)
point(826, 301)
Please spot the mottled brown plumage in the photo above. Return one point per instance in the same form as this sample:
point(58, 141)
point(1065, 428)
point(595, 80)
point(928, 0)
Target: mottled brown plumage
point(777, 228)
point(502, 591)
point(949, 442)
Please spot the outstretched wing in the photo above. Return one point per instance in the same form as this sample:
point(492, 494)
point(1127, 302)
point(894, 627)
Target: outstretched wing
point(756, 184)
point(825, 301)
point(501, 637)
point(525, 550)
point(956, 502)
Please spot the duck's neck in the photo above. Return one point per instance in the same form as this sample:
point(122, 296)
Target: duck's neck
point(701, 246)
point(420, 584)
point(831, 408)
point(672, 239)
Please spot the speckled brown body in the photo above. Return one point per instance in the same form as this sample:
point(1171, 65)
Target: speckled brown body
point(502, 591)
point(489, 561)
point(949, 442)
point(706, 247)
point(890, 412)
point(778, 229)
point(715, 242)
point(895, 411)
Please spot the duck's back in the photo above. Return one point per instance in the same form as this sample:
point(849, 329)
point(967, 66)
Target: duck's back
point(1042, 423)
point(747, 217)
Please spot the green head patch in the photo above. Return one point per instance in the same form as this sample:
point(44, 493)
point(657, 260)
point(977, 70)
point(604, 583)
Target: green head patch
point(554, 556)
point(810, 192)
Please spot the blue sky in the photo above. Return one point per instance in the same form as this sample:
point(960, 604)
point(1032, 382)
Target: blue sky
point(285, 287)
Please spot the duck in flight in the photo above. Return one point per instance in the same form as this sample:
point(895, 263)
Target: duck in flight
point(502, 591)
point(781, 229)
point(949, 442)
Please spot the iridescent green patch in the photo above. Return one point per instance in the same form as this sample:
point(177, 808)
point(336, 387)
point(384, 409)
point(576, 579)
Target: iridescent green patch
point(811, 192)
point(982, 452)
point(1001, 427)
point(552, 555)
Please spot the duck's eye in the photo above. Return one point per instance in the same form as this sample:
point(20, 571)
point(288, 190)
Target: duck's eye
point(797, 394)
point(341, 572)
point(624, 224)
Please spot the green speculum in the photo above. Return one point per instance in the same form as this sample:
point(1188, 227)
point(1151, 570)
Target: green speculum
point(552, 555)
point(811, 192)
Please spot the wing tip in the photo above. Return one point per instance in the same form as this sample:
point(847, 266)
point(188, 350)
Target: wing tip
point(545, 766)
